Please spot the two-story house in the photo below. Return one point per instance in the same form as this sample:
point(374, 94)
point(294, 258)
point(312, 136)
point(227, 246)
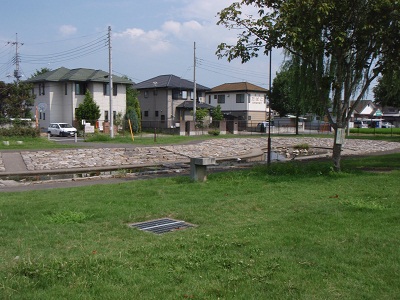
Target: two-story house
point(240, 101)
point(167, 100)
point(59, 93)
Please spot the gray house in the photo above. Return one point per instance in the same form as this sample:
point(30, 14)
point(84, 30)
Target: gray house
point(166, 101)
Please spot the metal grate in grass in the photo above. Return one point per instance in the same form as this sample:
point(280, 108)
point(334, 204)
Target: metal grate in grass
point(160, 226)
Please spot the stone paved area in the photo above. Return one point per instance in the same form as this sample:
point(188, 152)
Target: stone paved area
point(218, 148)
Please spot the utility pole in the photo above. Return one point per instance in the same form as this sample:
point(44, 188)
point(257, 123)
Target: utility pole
point(110, 115)
point(17, 44)
point(194, 83)
point(269, 109)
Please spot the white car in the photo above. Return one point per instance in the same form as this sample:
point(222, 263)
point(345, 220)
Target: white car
point(387, 125)
point(61, 129)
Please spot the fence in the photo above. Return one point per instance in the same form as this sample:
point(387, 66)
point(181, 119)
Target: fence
point(240, 127)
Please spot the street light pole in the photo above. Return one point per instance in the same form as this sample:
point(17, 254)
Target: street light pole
point(269, 109)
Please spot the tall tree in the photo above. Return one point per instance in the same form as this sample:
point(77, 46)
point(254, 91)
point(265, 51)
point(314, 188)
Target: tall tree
point(293, 90)
point(88, 110)
point(16, 100)
point(346, 44)
point(387, 91)
point(133, 112)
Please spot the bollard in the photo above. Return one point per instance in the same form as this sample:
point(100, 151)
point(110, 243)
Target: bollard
point(198, 167)
point(76, 137)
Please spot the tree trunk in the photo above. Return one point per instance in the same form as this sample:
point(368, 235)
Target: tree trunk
point(336, 156)
point(337, 148)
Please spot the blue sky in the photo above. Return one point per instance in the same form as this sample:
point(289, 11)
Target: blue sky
point(149, 38)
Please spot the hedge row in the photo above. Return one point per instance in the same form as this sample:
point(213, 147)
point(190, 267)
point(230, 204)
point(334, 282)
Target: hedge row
point(20, 131)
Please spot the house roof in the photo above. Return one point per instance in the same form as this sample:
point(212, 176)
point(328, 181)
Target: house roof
point(237, 87)
point(363, 104)
point(81, 74)
point(170, 82)
point(189, 105)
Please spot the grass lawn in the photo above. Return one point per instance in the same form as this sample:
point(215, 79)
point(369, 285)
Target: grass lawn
point(291, 231)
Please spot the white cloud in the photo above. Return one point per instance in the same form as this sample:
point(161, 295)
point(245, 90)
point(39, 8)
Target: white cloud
point(153, 40)
point(182, 29)
point(66, 30)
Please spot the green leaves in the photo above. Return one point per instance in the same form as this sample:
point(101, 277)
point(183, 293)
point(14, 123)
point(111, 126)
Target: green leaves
point(88, 110)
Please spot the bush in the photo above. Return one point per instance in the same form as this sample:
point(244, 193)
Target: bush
point(20, 131)
point(301, 146)
point(214, 132)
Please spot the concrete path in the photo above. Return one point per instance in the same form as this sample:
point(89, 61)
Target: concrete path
point(13, 162)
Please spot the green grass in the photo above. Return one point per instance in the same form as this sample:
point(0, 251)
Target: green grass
point(369, 131)
point(291, 231)
point(29, 143)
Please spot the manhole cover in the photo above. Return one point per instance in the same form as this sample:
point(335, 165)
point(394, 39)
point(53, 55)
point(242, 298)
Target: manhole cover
point(161, 225)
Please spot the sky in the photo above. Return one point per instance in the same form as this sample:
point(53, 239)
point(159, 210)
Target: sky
point(148, 38)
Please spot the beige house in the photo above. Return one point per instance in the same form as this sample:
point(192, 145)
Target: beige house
point(166, 101)
point(59, 93)
point(240, 101)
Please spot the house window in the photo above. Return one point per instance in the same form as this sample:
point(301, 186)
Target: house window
point(162, 118)
point(44, 116)
point(221, 99)
point(184, 95)
point(106, 89)
point(146, 113)
point(106, 115)
point(155, 92)
point(41, 88)
point(249, 118)
point(209, 99)
point(156, 113)
point(146, 94)
point(65, 88)
point(239, 98)
point(191, 95)
point(114, 115)
point(215, 97)
point(80, 88)
point(248, 98)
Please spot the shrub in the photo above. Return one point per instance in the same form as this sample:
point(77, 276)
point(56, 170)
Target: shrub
point(214, 132)
point(301, 146)
point(20, 131)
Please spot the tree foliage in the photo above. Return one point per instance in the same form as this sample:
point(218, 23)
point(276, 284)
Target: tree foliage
point(345, 44)
point(133, 112)
point(217, 114)
point(16, 100)
point(41, 71)
point(387, 91)
point(88, 110)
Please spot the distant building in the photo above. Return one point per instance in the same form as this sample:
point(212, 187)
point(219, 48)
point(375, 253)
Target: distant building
point(240, 101)
point(166, 101)
point(59, 93)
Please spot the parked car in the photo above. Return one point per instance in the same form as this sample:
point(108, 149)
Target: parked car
point(387, 125)
point(61, 129)
point(361, 124)
point(262, 127)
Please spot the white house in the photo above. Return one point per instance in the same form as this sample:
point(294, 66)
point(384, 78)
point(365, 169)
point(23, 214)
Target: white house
point(240, 101)
point(59, 93)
